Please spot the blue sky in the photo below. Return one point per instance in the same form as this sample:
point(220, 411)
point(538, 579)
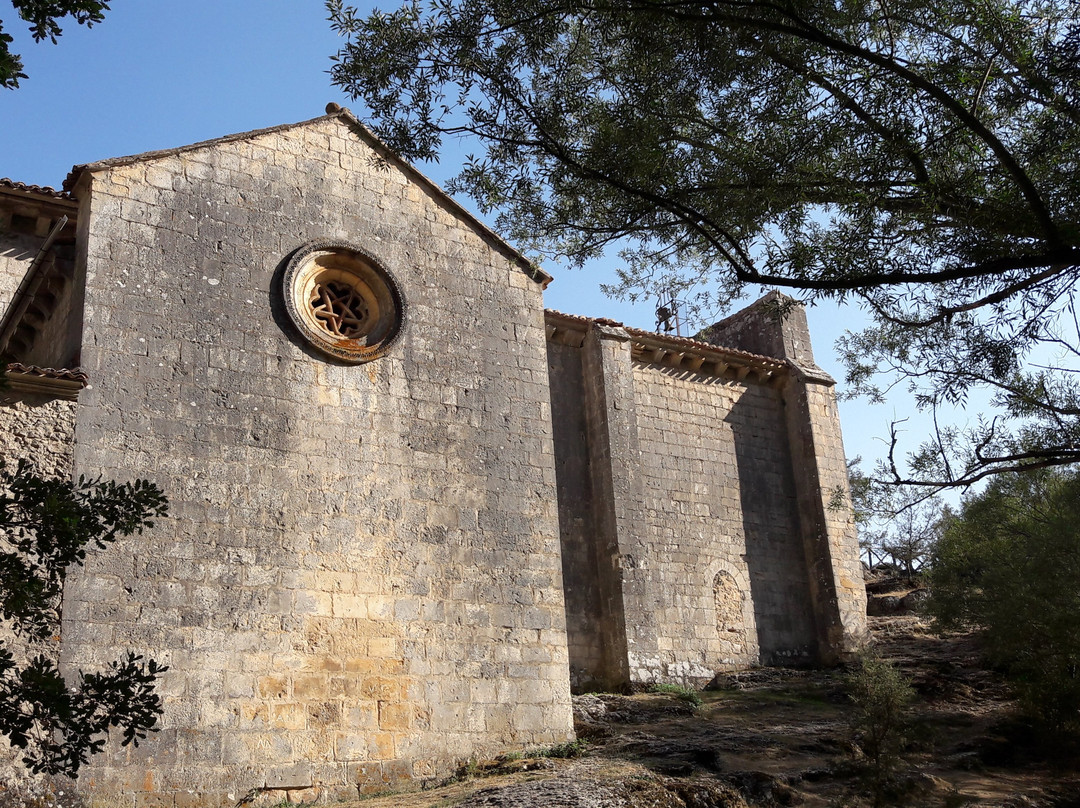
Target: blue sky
point(166, 73)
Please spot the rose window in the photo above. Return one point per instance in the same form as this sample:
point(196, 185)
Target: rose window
point(343, 302)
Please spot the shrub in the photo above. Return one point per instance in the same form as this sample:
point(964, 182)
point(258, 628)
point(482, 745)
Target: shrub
point(1008, 566)
point(47, 525)
point(882, 697)
point(687, 694)
point(569, 749)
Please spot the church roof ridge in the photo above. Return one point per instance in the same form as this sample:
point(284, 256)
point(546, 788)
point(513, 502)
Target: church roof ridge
point(333, 111)
point(155, 154)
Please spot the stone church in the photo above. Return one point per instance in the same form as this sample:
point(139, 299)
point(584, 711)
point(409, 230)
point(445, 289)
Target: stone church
point(411, 511)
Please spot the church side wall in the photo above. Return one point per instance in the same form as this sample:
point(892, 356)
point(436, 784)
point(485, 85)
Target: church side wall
point(26, 219)
point(720, 579)
point(359, 581)
point(54, 341)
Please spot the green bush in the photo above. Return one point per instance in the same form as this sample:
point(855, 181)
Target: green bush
point(47, 526)
point(881, 719)
point(687, 694)
point(1008, 565)
point(569, 749)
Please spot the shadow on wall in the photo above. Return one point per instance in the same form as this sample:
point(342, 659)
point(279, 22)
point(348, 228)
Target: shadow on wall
point(775, 559)
point(21, 248)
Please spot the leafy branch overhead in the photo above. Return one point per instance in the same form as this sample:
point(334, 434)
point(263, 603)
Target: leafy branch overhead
point(916, 157)
point(43, 17)
point(47, 525)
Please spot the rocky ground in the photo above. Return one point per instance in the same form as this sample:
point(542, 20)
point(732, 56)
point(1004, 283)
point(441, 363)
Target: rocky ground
point(777, 737)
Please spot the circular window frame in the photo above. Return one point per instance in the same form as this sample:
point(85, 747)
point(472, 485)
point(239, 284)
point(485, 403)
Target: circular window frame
point(373, 332)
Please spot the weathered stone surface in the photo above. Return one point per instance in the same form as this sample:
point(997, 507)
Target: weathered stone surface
point(39, 429)
point(585, 792)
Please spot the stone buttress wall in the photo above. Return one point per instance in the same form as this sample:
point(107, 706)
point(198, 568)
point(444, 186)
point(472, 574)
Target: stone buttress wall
point(777, 326)
point(587, 632)
point(359, 582)
point(720, 581)
point(833, 545)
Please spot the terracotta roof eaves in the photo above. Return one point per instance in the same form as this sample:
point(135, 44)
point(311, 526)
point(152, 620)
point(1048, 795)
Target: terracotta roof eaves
point(59, 382)
point(684, 344)
point(696, 346)
point(46, 193)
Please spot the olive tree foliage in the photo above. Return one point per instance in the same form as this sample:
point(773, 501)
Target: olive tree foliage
point(47, 525)
point(896, 525)
point(43, 17)
point(1007, 566)
point(917, 158)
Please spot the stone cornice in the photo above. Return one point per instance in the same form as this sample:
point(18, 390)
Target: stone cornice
point(681, 353)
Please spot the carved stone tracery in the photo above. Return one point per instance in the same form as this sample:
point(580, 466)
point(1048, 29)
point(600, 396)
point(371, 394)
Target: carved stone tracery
point(343, 302)
point(340, 309)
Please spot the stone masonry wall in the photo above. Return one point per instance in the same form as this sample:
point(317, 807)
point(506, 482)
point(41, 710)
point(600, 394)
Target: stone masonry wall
point(359, 581)
point(39, 429)
point(721, 580)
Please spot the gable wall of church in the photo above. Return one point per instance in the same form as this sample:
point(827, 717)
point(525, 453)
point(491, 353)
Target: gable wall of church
point(359, 581)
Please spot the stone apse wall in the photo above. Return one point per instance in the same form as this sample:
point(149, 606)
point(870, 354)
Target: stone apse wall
point(359, 582)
